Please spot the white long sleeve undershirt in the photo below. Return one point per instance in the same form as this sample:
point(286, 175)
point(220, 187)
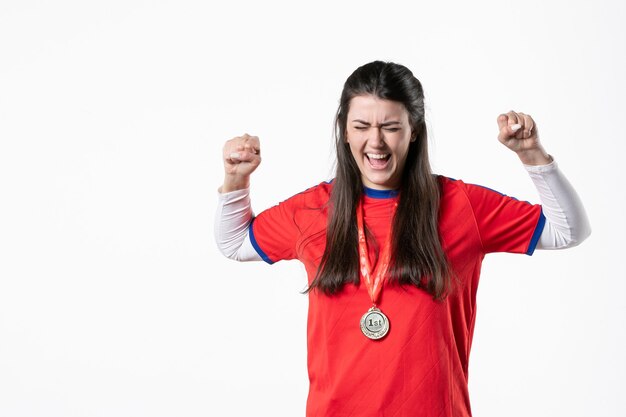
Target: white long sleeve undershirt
point(232, 219)
point(566, 224)
point(566, 221)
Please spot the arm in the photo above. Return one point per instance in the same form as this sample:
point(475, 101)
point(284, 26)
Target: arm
point(566, 224)
point(242, 155)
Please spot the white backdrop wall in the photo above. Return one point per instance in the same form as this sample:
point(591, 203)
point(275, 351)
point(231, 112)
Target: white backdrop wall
point(114, 300)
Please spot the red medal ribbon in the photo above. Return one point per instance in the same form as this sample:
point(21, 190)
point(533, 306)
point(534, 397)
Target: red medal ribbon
point(373, 279)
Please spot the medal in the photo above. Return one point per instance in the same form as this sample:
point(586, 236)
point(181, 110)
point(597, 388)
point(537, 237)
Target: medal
point(374, 324)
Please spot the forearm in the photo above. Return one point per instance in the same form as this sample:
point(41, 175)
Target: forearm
point(566, 224)
point(232, 221)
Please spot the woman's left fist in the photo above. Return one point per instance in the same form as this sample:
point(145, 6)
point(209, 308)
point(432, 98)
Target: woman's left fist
point(519, 133)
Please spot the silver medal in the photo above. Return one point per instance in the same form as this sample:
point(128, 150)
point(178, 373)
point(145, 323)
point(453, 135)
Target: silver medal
point(374, 324)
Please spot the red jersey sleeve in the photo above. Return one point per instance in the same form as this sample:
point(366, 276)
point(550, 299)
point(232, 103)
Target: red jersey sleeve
point(504, 223)
point(276, 232)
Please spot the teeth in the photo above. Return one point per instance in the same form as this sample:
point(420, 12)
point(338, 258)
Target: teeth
point(377, 155)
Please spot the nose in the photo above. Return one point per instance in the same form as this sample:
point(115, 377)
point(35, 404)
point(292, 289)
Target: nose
point(377, 138)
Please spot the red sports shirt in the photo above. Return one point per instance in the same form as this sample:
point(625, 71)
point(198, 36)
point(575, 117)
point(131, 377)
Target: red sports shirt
point(420, 367)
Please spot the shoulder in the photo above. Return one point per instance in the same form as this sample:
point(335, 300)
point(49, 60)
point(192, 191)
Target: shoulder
point(483, 202)
point(315, 196)
point(321, 190)
point(451, 186)
point(456, 194)
point(298, 209)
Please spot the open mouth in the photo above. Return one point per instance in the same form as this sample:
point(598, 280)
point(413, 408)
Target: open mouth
point(378, 160)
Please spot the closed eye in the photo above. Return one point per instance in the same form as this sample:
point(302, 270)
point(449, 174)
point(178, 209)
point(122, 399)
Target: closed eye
point(385, 128)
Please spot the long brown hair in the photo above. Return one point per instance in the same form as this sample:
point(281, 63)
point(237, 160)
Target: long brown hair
point(418, 257)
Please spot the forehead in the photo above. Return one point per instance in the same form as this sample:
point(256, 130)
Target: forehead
point(376, 109)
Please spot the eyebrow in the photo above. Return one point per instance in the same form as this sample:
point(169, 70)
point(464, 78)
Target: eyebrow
point(393, 122)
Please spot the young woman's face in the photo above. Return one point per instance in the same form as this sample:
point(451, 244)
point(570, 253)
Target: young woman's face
point(379, 134)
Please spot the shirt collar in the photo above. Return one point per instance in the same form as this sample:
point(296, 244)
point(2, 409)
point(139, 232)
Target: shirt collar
point(373, 193)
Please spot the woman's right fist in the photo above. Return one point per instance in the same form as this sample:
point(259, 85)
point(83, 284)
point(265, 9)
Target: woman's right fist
point(242, 155)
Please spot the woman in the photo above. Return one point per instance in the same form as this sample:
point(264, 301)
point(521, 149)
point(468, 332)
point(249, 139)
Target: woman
point(392, 252)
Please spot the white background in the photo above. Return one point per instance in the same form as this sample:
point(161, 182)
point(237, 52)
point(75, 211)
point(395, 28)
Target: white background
point(114, 300)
